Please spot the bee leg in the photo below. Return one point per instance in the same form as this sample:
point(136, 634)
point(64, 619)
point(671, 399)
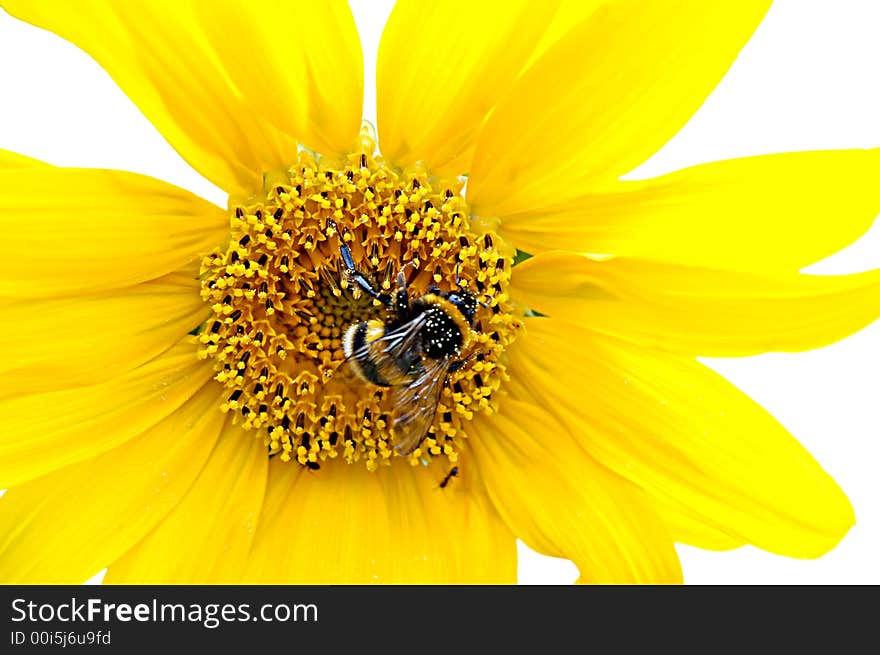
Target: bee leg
point(459, 364)
point(347, 259)
point(401, 276)
point(351, 270)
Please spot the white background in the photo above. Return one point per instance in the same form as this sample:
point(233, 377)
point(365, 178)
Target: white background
point(809, 79)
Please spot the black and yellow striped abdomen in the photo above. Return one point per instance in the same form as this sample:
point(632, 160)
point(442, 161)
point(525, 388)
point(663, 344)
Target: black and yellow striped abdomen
point(364, 350)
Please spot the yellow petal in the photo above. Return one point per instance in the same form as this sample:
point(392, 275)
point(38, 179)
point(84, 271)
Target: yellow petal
point(771, 213)
point(76, 230)
point(70, 524)
point(45, 431)
point(604, 99)
point(562, 503)
point(689, 528)
point(58, 343)
point(441, 69)
point(160, 56)
point(298, 64)
point(345, 525)
point(685, 435)
point(206, 538)
point(9, 159)
point(699, 311)
point(570, 14)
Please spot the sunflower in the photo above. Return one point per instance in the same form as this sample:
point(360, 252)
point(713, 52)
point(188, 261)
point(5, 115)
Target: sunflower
point(181, 394)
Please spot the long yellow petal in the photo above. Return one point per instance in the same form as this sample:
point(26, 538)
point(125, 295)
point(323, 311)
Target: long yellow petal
point(604, 99)
point(570, 15)
point(78, 230)
point(772, 213)
point(441, 69)
point(699, 311)
point(689, 528)
point(59, 343)
point(160, 56)
point(70, 524)
point(298, 64)
point(345, 525)
point(206, 538)
point(562, 503)
point(45, 431)
point(9, 159)
point(685, 435)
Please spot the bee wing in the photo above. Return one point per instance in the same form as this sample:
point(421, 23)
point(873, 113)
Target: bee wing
point(417, 404)
point(397, 349)
point(404, 339)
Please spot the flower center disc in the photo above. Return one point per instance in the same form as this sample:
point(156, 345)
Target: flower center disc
point(282, 300)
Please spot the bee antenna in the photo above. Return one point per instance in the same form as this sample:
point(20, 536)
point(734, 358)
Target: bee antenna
point(347, 259)
point(357, 277)
point(457, 268)
point(344, 250)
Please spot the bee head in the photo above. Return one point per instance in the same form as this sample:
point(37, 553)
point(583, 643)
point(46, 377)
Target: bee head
point(465, 302)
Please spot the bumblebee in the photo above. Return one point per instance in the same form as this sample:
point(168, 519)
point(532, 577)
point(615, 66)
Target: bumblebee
point(412, 351)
